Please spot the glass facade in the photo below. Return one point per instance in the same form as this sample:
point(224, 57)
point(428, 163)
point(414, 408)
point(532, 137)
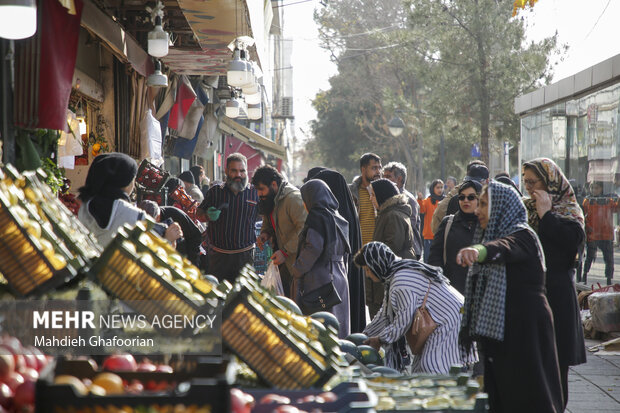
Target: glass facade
point(582, 137)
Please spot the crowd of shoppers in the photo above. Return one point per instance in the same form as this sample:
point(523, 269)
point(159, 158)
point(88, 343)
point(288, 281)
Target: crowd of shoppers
point(498, 270)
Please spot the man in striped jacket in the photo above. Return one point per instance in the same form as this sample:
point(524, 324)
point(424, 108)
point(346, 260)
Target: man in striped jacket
point(231, 209)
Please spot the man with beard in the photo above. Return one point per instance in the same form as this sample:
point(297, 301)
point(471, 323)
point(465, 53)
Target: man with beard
point(284, 216)
point(370, 168)
point(231, 209)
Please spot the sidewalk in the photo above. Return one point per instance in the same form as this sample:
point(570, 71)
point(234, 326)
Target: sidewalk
point(597, 271)
point(595, 386)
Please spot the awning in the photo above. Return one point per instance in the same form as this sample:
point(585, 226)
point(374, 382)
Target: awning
point(256, 140)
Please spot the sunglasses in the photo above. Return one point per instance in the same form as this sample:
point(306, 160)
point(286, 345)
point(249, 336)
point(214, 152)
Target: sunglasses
point(469, 197)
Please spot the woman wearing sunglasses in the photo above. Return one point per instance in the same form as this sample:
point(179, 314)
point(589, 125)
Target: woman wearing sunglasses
point(456, 232)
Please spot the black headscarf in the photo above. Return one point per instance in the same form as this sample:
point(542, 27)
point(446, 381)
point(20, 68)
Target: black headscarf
point(107, 176)
point(384, 189)
point(196, 171)
point(435, 198)
point(346, 208)
point(187, 176)
point(323, 216)
point(313, 172)
point(477, 186)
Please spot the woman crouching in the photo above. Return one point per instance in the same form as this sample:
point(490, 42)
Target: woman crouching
point(407, 282)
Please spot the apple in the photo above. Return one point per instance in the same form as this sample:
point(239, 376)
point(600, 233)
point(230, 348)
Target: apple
point(30, 361)
point(146, 365)
point(17, 357)
point(274, 398)
point(29, 374)
point(120, 362)
point(163, 368)
point(240, 402)
point(6, 395)
point(135, 387)
point(14, 380)
point(24, 395)
point(7, 365)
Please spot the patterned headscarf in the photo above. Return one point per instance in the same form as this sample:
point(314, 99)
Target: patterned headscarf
point(384, 264)
point(485, 288)
point(564, 202)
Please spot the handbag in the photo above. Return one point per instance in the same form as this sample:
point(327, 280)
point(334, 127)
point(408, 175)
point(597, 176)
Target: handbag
point(320, 299)
point(421, 328)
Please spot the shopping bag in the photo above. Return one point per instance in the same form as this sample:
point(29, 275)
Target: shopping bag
point(272, 281)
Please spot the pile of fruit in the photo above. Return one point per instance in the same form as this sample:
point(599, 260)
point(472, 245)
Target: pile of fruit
point(269, 333)
point(19, 371)
point(124, 385)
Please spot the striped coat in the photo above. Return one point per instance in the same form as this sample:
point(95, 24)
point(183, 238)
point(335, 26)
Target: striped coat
point(407, 290)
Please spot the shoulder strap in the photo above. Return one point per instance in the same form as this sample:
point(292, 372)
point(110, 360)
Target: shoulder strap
point(445, 237)
point(426, 295)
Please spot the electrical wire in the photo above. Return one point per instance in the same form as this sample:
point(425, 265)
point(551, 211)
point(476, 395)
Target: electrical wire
point(597, 20)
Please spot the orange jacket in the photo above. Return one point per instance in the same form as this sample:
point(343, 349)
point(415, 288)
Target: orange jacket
point(428, 209)
point(599, 218)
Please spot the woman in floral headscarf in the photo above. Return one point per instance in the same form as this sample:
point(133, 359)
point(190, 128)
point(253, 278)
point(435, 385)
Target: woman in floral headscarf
point(555, 215)
point(506, 310)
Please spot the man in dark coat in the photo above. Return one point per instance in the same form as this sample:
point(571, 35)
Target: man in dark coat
point(393, 228)
point(397, 173)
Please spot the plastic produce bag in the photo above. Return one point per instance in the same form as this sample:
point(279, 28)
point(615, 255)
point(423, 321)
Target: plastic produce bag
point(272, 281)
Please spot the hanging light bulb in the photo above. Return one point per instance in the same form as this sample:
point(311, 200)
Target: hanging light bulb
point(18, 18)
point(254, 98)
point(80, 114)
point(157, 79)
point(158, 40)
point(236, 70)
point(255, 111)
point(232, 107)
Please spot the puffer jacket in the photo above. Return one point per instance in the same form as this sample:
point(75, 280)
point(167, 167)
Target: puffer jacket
point(393, 226)
point(289, 216)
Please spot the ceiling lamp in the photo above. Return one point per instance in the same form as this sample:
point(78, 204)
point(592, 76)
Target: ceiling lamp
point(158, 40)
point(254, 98)
point(255, 111)
point(236, 74)
point(157, 79)
point(232, 107)
point(18, 18)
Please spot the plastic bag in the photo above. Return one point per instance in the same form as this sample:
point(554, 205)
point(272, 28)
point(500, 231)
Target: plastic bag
point(272, 281)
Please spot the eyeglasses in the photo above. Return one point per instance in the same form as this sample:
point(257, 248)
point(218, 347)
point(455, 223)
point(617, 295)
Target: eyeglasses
point(530, 182)
point(469, 197)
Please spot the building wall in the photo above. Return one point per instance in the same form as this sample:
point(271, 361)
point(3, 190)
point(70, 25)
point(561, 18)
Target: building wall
point(580, 135)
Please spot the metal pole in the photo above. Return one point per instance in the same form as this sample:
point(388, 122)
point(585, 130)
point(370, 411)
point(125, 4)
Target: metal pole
point(7, 130)
point(507, 157)
point(442, 156)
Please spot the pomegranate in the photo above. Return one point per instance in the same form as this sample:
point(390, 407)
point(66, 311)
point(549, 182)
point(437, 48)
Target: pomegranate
point(6, 396)
point(120, 362)
point(163, 368)
point(24, 395)
point(146, 366)
point(13, 380)
point(29, 374)
point(7, 365)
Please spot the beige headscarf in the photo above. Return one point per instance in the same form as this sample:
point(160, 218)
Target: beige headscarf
point(564, 202)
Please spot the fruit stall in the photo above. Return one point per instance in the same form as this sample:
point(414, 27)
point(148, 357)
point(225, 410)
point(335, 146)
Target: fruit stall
point(271, 357)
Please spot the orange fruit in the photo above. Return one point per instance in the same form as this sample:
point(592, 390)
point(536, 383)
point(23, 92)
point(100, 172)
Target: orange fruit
point(77, 384)
point(111, 383)
point(96, 147)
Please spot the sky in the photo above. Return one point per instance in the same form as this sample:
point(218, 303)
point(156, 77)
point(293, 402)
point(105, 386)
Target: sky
point(589, 27)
